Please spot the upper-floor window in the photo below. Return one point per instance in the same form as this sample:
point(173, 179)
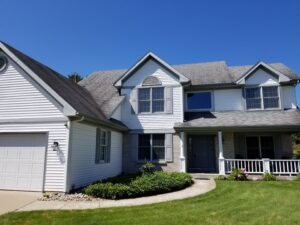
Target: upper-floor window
point(151, 99)
point(199, 101)
point(262, 97)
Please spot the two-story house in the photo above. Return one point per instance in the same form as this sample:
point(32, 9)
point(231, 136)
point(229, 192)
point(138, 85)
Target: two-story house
point(56, 135)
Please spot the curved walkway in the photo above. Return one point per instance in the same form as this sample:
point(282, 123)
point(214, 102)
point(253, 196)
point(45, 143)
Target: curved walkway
point(199, 187)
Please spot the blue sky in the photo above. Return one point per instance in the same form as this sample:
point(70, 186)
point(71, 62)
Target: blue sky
point(84, 36)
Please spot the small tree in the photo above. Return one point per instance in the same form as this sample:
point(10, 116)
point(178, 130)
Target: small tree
point(75, 77)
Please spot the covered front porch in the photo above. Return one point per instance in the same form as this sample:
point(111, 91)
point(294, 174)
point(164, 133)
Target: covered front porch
point(220, 151)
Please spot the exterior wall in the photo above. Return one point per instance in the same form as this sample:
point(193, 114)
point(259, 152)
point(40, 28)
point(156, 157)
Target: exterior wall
point(261, 77)
point(288, 97)
point(228, 99)
point(22, 98)
point(27, 108)
point(55, 160)
point(117, 113)
point(130, 165)
point(153, 69)
point(82, 168)
point(155, 120)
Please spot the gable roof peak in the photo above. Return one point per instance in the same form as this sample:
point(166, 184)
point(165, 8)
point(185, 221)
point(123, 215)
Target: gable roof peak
point(142, 61)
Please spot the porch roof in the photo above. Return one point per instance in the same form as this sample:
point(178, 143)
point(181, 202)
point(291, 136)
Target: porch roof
point(237, 120)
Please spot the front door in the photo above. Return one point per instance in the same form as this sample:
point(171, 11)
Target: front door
point(201, 153)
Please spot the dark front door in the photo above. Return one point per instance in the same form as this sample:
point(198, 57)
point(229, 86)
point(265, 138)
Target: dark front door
point(201, 153)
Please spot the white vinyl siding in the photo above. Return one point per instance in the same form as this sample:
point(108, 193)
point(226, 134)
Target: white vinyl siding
point(262, 78)
point(83, 169)
point(159, 120)
point(151, 68)
point(21, 97)
point(55, 160)
point(228, 99)
point(155, 120)
point(288, 97)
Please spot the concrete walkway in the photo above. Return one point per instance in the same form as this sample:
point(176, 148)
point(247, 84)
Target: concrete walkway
point(14, 200)
point(199, 187)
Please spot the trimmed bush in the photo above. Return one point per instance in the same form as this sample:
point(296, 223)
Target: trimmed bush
point(143, 185)
point(268, 177)
point(147, 168)
point(238, 175)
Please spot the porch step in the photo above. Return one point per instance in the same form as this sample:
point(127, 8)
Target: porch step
point(204, 175)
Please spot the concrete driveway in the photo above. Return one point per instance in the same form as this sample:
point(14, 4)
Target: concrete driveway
point(13, 200)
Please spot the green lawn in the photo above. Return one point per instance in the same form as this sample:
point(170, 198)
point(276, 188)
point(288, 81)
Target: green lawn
point(235, 203)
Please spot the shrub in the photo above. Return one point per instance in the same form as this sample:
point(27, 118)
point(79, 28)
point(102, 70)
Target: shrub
point(238, 174)
point(147, 168)
point(268, 177)
point(221, 177)
point(143, 185)
point(297, 177)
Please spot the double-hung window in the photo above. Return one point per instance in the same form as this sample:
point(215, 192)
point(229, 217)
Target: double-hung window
point(151, 100)
point(102, 146)
point(151, 147)
point(262, 97)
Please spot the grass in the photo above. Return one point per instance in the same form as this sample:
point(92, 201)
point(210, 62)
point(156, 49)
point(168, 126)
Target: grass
point(275, 203)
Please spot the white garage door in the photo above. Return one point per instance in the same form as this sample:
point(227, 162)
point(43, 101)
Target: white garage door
point(22, 160)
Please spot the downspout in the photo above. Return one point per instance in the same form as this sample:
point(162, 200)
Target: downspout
point(69, 156)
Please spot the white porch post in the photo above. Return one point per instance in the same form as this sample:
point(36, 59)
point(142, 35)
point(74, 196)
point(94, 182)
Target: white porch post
point(266, 165)
point(182, 152)
point(221, 155)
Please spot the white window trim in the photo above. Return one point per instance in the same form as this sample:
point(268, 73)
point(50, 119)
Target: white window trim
point(150, 87)
point(262, 106)
point(151, 151)
point(199, 110)
point(259, 143)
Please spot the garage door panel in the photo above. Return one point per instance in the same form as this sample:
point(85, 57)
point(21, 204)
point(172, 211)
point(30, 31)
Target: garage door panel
point(22, 158)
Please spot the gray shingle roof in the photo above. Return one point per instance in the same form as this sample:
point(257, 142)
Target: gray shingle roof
point(240, 119)
point(205, 73)
point(100, 85)
point(78, 97)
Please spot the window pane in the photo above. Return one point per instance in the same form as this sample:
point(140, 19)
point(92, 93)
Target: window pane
point(144, 140)
point(158, 106)
point(271, 103)
point(200, 100)
point(253, 103)
point(267, 147)
point(144, 94)
point(158, 140)
point(270, 91)
point(144, 106)
point(144, 153)
point(102, 153)
point(103, 138)
point(157, 93)
point(252, 92)
point(252, 144)
point(158, 153)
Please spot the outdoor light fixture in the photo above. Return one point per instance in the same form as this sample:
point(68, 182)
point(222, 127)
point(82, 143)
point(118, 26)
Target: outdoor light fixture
point(55, 146)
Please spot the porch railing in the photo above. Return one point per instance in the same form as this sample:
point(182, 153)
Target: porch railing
point(259, 166)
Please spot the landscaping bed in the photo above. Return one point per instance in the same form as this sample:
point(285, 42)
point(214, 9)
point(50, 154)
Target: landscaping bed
point(138, 185)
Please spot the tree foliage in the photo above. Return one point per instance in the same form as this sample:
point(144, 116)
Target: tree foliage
point(75, 77)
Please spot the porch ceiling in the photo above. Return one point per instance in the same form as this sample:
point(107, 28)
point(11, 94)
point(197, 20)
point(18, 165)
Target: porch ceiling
point(277, 120)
